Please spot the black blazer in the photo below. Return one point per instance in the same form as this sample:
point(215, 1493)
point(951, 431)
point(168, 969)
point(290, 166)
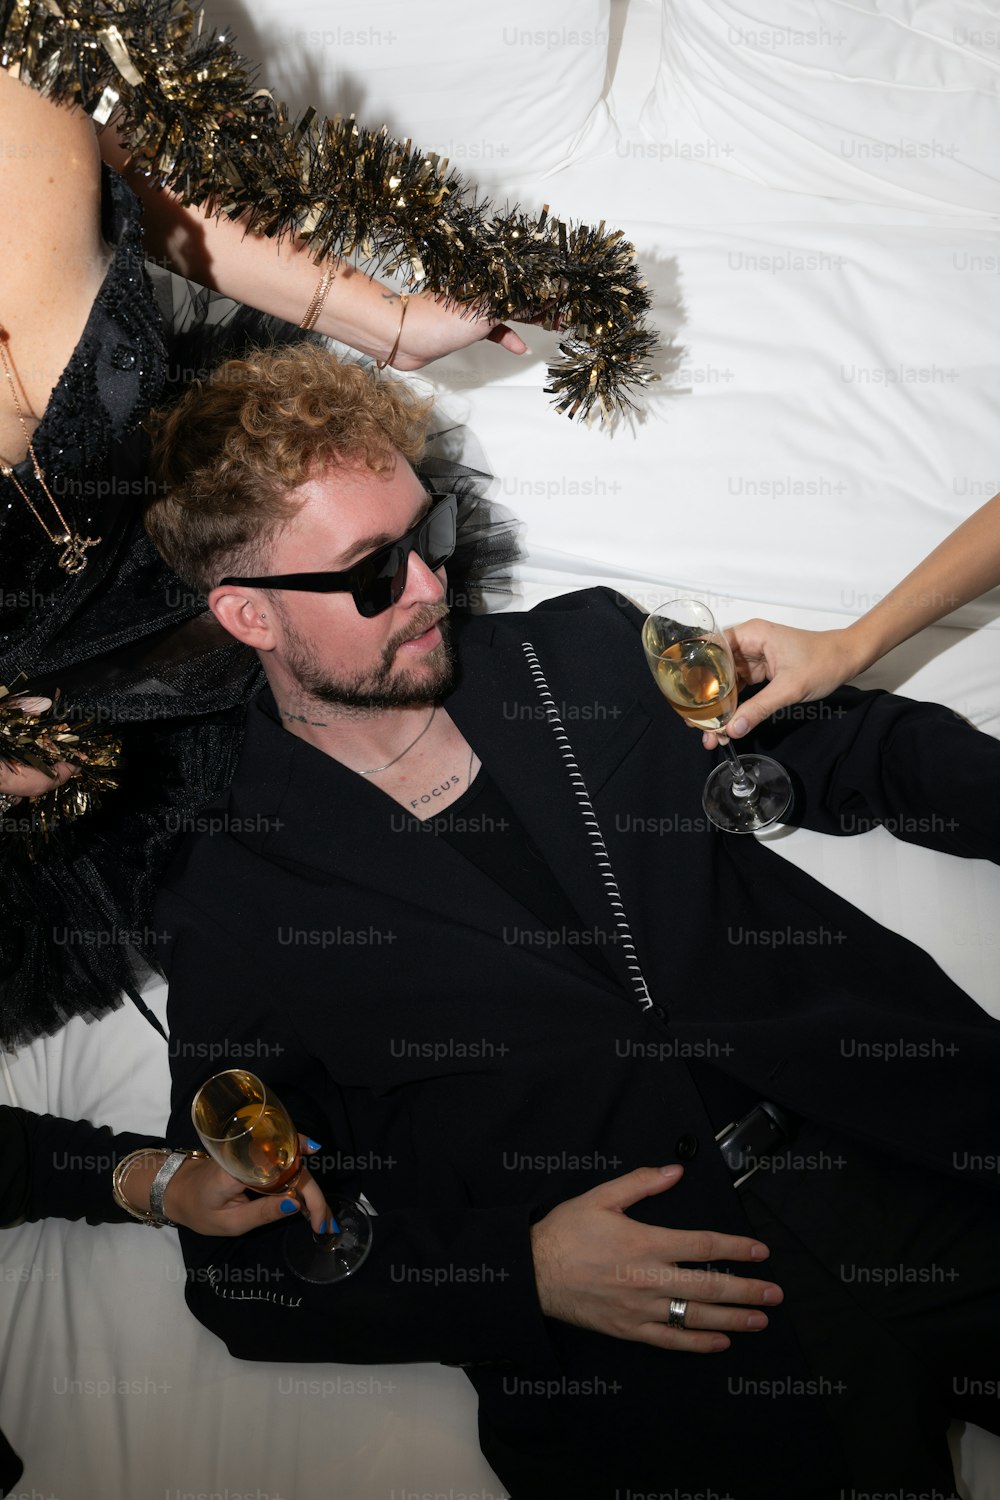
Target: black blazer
point(467, 1070)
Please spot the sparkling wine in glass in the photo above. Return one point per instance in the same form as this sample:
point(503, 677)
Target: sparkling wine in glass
point(244, 1127)
point(694, 669)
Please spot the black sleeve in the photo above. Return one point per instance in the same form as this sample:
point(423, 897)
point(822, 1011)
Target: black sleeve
point(55, 1168)
point(861, 760)
point(11, 1467)
point(457, 1290)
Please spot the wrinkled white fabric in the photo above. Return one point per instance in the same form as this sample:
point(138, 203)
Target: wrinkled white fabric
point(829, 416)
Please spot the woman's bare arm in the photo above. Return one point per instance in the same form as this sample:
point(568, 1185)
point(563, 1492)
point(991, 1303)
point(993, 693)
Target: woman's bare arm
point(965, 565)
point(281, 279)
point(802, 665)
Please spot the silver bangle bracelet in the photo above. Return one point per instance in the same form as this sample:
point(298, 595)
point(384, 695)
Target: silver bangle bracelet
point(119, 1176)
point(160, 1184)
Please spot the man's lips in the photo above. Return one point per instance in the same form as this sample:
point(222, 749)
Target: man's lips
point(426, 639)
point(430, 637)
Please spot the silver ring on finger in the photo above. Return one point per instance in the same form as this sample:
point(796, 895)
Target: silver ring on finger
point(677, 1312)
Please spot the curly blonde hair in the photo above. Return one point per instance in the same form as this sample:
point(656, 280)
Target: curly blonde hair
point(235, 445)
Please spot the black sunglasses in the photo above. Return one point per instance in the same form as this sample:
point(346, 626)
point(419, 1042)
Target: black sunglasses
point(378, 580)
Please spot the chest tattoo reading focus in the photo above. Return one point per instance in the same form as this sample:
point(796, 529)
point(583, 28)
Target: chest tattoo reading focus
point(437, 791)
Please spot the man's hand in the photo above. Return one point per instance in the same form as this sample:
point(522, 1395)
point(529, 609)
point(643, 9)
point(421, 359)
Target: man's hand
point(596, 1267)
point(800, 665)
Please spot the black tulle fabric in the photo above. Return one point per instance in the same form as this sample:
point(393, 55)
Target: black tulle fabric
point(128, 644)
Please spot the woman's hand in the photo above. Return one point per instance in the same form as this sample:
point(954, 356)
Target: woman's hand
point(23, 781)
point(203, 1197)
point(799, 665)
point(432, 329)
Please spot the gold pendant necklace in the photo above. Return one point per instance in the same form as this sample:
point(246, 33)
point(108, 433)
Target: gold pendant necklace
point(71, 558)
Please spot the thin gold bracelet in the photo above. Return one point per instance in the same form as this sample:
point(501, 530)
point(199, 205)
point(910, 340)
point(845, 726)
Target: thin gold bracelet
point(319, 297)
point(380, 364)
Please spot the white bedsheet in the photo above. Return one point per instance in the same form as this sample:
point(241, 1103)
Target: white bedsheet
point(827, 416)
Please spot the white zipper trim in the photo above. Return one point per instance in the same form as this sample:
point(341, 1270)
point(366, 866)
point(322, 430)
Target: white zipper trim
point(597, 844)
point(279, 1298)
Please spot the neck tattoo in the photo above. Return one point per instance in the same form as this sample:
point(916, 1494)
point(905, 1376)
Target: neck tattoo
point(372, 770)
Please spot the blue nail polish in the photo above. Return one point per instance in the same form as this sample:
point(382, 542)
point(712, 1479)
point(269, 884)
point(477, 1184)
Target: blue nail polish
point(313, 1145)
point(289, 1206)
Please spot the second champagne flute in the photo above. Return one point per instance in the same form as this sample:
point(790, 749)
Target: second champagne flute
point(244, 1127)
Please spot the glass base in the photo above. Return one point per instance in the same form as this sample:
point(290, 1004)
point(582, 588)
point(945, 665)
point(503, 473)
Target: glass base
point(735, 814)
point(330, 1257)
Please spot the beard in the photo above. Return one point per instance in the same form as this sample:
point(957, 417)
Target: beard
point(380, 686)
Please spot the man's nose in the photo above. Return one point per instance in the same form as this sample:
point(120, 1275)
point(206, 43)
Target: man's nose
point(422, 585)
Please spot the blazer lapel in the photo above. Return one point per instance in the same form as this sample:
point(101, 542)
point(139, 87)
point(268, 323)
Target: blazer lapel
point(544, 777)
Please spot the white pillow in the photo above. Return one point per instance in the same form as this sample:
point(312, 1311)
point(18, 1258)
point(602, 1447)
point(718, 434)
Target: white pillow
point(506, 92)
point(883, 101)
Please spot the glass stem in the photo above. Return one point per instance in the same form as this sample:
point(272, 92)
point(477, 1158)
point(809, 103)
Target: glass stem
point(743, 785)
point(328, 1228)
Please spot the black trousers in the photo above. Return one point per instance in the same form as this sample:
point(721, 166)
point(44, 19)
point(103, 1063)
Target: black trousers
point(891, 1278)
point(892, 1285)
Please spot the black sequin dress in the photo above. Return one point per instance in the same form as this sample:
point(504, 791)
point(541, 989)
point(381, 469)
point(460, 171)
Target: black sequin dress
point(130, 646)
point(92, 448)
point(124, 641)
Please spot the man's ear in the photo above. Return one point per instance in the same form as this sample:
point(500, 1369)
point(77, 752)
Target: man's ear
point(242, 612)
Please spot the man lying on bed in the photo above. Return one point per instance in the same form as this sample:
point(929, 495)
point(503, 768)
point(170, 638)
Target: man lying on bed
point(462, 890)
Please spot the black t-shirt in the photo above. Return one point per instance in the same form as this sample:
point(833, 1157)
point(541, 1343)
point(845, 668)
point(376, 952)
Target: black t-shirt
point(483, 827)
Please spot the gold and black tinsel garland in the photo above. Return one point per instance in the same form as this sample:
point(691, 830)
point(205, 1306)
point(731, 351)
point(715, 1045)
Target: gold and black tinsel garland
point(192, 115)
point(33, 735)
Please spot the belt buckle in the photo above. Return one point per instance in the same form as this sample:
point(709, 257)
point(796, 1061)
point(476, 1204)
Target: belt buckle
point(760, 1132)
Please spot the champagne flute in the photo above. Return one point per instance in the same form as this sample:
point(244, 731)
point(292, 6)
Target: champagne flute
point(244, 1126)
point(694, 669)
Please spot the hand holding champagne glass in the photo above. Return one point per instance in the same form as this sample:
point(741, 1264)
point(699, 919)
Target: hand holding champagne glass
point(693, 666)
point(244, 1127)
